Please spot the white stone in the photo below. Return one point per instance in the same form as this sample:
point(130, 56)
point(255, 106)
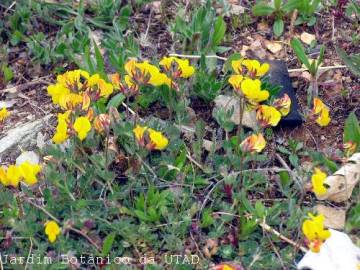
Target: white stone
point(227, 102)
point(337, 253)
point(21, 135)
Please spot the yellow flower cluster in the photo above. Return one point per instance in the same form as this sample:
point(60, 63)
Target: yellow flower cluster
point(313, 229)
point(144, 73)
point(178, 68)
point(52, 230)
point(246, 82)
point(26, 172)
point(3, 114)
point(321, 113)
point(150, 138)
point(74, 91)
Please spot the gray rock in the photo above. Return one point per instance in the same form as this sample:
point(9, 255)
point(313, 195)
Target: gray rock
point(227, 102)
point(22, 135)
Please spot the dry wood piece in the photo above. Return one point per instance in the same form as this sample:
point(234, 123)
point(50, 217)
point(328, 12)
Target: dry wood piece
point(342, 182)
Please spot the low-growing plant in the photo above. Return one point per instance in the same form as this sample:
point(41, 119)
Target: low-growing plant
point(278, 9)
point(312, 65)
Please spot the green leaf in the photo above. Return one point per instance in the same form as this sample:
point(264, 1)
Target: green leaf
point(100, 65)
point(290, 5)
point(284, 179)
point(219, 31)
point(207, 219)
point(262, 9)
point(278, 27)
point(8, 74)
point(108, 242)
point(277, 4)
point(352, 130)
point(115, 101)
point(300, 52)
point(352, 62)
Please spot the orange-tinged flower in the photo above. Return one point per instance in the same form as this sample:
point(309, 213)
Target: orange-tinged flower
point(283, 104)
point(313, 229)
point(85, 101)
point(253, 92)
point(255, 68)
point(317, 180)
point(268, 116)
point(321, 111)
point(52, 230)
point(102, 123)
point(4, 114)
point(253, 143)
point(350, 148)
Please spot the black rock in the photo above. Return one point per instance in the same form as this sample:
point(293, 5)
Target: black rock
point(279, 75)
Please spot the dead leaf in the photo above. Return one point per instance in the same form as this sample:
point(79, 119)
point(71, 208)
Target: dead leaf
point(307, 38)
point(334, 217)
point(263, 27)
point(210, 248)
point(236, 9)
point(273, 47)
point(258, 50)
point(343, 181)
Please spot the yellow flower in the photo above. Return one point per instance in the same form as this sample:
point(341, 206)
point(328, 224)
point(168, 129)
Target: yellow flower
point(4, 114)
point(61, 134)
point(252, 91)
point(350, 148)
point(3, 178)
point(313, 229)
point(255, 68)
point(29, 171)
point(145, 73)
point(52, 230)
point(268, 116)
point(237, 66)
point(253, 143)
point(283, 104)
point(13, 176)
point(322, 112)
point(105, 88)
point(70, 101)
point(317, 180)
point(158, 139)
point(183, 67)
point(82, 126)
point(139, 132)
point(56, 91)
point(72, 79)
point(235, 81)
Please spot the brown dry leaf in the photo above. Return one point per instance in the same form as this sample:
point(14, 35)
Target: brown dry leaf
point(334, 218)
point(210, 248)
point(258, 50)
point(343, 181)
point(244, 50)
point(307, 38)
point(273, 47)
point(263, 26)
